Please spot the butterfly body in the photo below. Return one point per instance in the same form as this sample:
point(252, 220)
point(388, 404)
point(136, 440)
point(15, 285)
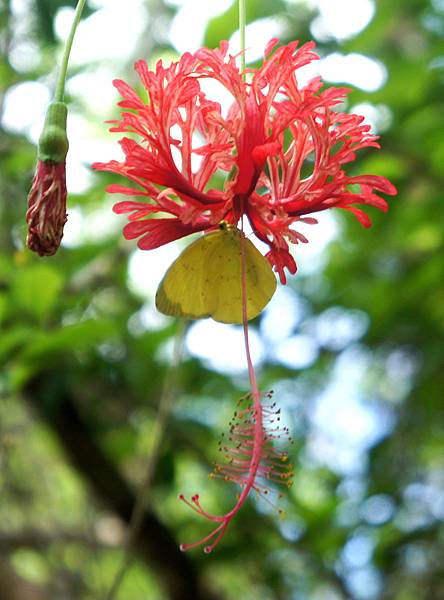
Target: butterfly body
point(205, 281)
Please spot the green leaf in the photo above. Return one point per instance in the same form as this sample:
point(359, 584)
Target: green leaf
point(36, 288)
point(79, 336)
point(3, 306)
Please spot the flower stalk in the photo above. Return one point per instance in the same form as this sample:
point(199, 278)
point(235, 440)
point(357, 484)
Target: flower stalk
point(242, 24)
point(60, 86)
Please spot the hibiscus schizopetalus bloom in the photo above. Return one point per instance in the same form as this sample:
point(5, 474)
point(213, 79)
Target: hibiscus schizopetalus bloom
point(282, 148)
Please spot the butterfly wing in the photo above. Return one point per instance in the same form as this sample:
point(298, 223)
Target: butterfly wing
point(225, 278)
point(261, 281)
point(205, 281)
point(224, 274)
point(185, 290)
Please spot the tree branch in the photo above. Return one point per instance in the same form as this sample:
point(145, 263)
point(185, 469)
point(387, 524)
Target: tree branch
point(154, 544)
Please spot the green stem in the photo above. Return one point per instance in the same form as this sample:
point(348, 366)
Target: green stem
point(60, 88)
point(242, 20)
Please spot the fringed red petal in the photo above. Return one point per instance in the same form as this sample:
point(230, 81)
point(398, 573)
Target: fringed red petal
point(157, 232)
point(284, 145)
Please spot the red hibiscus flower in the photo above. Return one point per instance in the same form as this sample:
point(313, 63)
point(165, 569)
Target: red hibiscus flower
point(281, 148)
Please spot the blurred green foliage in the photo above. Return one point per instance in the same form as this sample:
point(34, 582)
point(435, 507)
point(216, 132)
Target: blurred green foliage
point(77, 359)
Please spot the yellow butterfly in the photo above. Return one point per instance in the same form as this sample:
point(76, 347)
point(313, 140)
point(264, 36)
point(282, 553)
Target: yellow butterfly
point(205, 281)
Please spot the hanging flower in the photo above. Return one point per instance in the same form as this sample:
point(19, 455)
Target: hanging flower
point(281, 147)
point(46, 214)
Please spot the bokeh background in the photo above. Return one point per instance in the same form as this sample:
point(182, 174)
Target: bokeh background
point(352, 346)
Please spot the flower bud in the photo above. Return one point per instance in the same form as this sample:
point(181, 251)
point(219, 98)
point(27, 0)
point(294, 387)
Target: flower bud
point(46, 214)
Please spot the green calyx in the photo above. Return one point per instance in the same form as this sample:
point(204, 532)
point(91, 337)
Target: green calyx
point(53, 142)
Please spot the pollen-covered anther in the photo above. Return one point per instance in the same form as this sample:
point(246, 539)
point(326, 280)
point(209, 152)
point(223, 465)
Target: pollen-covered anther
point(252, 462)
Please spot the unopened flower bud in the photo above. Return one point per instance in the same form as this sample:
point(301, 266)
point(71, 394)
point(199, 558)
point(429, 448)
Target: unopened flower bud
point(46, 214)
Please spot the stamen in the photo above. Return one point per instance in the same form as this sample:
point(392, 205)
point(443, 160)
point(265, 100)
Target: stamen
point(252, 462)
